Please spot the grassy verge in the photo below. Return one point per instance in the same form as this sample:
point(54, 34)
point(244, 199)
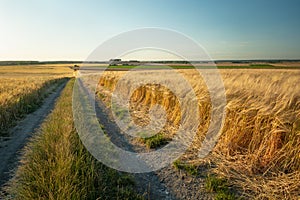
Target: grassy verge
point(56, 165)
point(24, 102)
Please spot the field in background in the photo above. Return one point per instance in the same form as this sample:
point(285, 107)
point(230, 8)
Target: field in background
point(259, 150)
point(184, 65)
point(59, 70)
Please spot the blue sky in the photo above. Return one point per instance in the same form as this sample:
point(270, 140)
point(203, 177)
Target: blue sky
point(71, 30)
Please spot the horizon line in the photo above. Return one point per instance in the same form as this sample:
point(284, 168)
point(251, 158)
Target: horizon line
point(167, 60)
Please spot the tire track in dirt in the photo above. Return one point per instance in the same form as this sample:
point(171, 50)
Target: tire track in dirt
point(147, 184)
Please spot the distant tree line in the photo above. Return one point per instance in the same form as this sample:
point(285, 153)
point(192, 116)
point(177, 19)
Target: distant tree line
point(2, 63)
point(261, 60)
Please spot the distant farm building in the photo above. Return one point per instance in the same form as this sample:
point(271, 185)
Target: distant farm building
point(117, 62)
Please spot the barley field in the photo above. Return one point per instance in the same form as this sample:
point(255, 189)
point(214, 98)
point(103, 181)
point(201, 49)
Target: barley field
point(259, 149)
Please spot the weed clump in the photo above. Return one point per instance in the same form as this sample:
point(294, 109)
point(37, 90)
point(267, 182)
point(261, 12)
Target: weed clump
point(189, 168)
point(220, 187)
point(155, 141)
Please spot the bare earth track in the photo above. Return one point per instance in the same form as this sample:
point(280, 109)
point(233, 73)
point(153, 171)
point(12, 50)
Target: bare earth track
point(10, 146)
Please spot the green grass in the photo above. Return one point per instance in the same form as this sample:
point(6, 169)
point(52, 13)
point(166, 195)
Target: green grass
point(189, 168)
point(220, 187)
point(57, 166)
point(149, 67)
point(257, 66)
point(250, 66)
point(221, 195)
point(155, 141)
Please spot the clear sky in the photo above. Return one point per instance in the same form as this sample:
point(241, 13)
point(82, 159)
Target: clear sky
point(70, 29)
